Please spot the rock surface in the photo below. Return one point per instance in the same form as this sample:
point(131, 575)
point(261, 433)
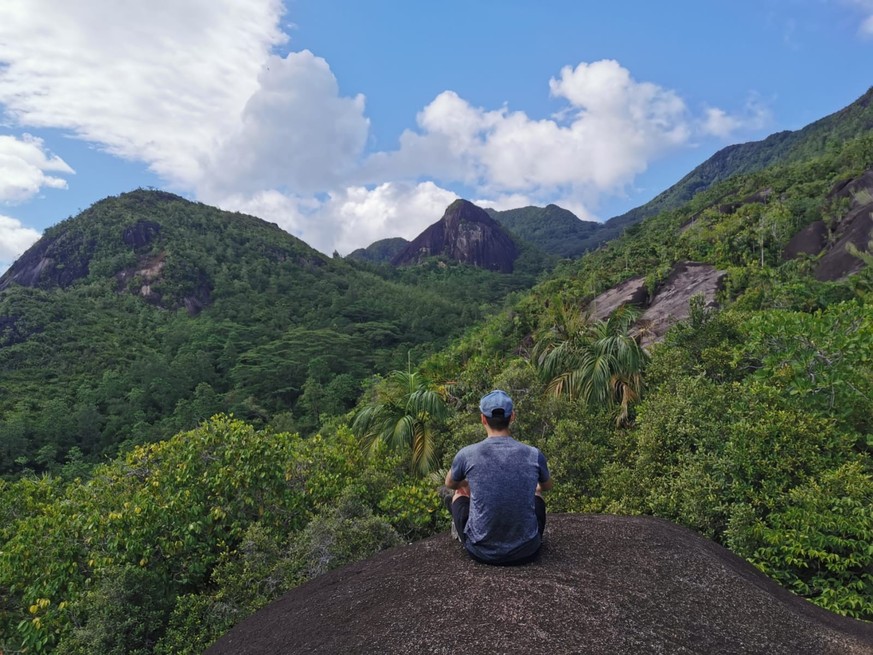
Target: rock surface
point(630, 292)
point(811, 240)
point(856, 228)
point(853, 227)
point(467, 234)
point(671, 302)
point(602, 585)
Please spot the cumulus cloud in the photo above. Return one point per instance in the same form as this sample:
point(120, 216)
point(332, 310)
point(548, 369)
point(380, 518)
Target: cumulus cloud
point(866, 9)
point(15, 238)
point(719, 123)
point(352, 217)
point(24, 168)
point(390, 209)
point(159, 82)
point(296, 131)
point(610, 130)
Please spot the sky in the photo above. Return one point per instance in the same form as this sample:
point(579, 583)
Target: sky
point(345, 122)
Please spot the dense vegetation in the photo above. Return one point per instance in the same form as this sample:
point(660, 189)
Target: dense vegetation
point(379, 252)
point(155, 313)
point(553, 230)
point(812, 141)
point(750, 424)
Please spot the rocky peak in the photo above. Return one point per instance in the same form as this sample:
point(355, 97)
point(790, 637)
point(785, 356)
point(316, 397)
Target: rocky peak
point(466, 234)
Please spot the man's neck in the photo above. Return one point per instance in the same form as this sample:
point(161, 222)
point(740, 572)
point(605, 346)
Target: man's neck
point(497, 433)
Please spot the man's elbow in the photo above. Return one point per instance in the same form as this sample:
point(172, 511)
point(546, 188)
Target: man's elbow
point(450, 481)
point(545, 486)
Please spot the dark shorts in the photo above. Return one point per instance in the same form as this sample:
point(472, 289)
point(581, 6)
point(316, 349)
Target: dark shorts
point(461, 512)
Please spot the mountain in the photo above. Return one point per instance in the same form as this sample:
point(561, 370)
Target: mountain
point(782, 147)
point(558, 231)
point(554, 230)
point(466, 234)
point(147, 313)
point(379, 252)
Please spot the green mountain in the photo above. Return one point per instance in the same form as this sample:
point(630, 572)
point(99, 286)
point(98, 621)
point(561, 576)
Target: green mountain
point(554, 230)
point(148, 313)
point(826, 134)
point(379, 252)
point(559, 232)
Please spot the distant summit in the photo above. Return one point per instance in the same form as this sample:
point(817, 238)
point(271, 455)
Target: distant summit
point(554, 230)
point(466, 234)
point(379, 252)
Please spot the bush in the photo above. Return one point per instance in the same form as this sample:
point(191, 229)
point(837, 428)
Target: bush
point(124, 615)
point(819, 545)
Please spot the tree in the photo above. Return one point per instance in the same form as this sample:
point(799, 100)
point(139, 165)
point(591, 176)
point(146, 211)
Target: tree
point(402, 415)
point(596, 362)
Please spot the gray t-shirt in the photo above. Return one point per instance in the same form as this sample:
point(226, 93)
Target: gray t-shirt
point(503, 475)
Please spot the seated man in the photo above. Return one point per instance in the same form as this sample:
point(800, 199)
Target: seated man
point(497, 510)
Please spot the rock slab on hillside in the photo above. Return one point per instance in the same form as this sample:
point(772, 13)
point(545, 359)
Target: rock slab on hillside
point(671, 302)
point(630, 292)
point(466, 234)
point(832, 239)
point(602, 585)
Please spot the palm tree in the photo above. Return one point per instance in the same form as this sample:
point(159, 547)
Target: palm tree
point(593, 361)
point(402, 416)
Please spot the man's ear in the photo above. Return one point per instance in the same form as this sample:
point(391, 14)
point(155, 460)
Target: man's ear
point(512, 417)
point(482, 416)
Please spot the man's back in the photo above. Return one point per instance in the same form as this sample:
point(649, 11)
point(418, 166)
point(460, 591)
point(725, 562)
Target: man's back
point(503, 475)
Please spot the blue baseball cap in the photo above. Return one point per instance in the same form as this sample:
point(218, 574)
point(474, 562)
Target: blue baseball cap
point(497, 399)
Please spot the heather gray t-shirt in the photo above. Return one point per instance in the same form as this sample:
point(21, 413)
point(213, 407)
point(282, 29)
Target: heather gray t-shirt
point(503, 475)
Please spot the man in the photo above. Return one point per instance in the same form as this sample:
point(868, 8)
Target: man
point(497, 508)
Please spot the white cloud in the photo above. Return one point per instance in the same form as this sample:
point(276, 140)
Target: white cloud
point(296, 131)
point(15, 238)
point(611, 130)
point(719, 123)
point(159, 82)
point(352, 217)
point(24, 164)
point(391, 209)
point(866, 8)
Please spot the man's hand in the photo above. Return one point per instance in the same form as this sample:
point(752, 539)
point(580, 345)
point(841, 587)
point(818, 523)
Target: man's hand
point(452, 484)
point(544, 486)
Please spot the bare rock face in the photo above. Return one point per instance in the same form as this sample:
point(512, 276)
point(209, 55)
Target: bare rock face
point(854, 227)
point(630, 292)
point(602, 585)
point(670, 304)
point(467, 234)
point(49, 263)
point(811, 240)
point(141, 234)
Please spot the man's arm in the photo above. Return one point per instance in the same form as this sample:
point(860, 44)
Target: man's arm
point(544, 485)
point(451, 483)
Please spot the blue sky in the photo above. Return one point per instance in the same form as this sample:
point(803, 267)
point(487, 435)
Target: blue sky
point(346, 121)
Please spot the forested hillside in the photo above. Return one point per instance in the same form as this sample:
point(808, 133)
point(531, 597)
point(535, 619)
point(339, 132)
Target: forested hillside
point(558, 232)
point(749, 423)
point(147, 313)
